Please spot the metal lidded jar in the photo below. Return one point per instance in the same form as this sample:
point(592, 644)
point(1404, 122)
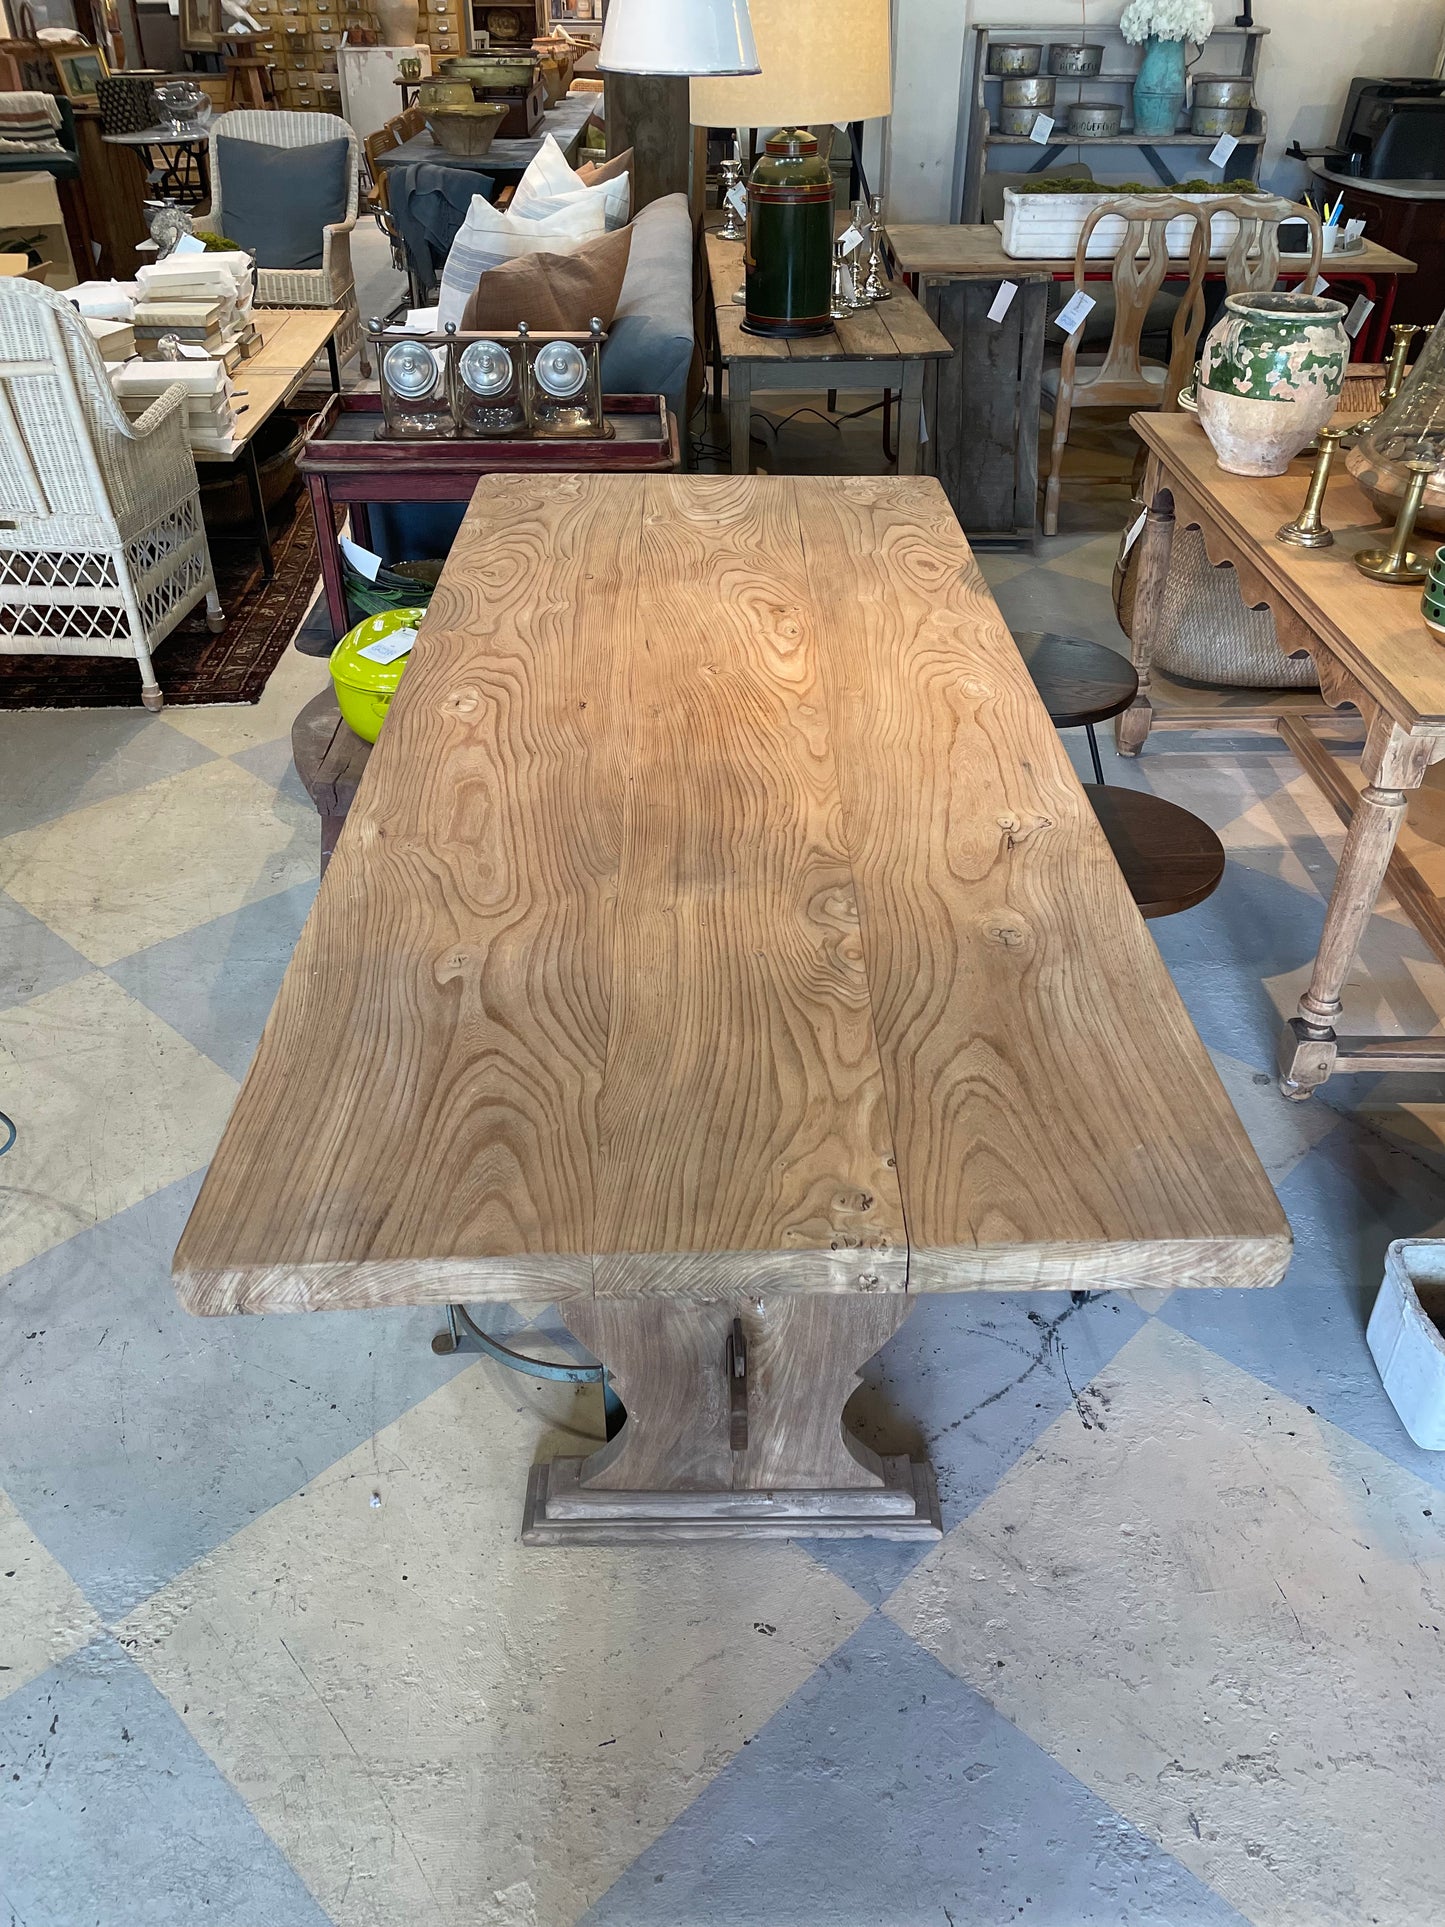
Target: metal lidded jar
point(788, 253)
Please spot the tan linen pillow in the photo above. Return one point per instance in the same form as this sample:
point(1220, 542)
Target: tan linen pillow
point(553, 291)
point(594, 173)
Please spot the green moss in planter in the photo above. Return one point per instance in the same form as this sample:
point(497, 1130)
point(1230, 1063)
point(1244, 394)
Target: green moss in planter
point(1063, 184)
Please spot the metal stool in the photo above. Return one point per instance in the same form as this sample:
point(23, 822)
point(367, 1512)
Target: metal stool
point(1170, 858)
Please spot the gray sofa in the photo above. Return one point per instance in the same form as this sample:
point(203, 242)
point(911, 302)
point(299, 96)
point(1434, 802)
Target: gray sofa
point(649, 347)
point(649, 351)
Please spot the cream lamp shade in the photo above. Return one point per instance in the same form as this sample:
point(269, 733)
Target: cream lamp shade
point(822, 60)
point(678, 37)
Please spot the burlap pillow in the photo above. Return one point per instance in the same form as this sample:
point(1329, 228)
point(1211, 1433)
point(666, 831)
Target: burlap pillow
point(618, 173)
point(551, 291)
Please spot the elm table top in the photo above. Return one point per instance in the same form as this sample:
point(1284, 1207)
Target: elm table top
point(719, 912)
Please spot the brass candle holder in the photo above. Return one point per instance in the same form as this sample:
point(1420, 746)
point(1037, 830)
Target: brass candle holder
point(1309, 531)
point(1403, 332)
point(1401, 563)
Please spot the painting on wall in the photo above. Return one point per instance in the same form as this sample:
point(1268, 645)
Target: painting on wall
point(80, 71)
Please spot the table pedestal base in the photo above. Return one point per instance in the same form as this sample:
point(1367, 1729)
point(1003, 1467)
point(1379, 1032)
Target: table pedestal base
point(734, 1427)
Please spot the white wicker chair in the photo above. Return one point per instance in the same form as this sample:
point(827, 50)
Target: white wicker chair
point(332, 285)
point(102, 547)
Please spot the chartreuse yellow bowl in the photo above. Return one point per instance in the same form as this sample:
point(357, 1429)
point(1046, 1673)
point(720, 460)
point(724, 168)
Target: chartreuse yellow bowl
point(365, 685)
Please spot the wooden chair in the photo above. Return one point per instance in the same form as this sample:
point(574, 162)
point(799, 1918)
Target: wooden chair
point(409, 124)
point(332, 285)
point(1252, 264)
point(1121, 377)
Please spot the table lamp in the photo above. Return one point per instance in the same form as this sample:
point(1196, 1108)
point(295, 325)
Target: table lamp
point(677, 37)
point(822, 60)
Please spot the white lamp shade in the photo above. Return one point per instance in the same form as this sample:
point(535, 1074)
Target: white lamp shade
point(678, 37)
point(822, 60)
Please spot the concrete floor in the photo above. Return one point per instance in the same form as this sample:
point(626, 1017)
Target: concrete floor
point(273, 1657)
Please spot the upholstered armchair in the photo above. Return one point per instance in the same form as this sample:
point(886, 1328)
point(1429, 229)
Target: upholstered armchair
point(102, 547)
point(332, 285)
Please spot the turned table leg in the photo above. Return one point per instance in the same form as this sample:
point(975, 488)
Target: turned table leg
point(1131, 727)
point(1394, 763)
point(734, 1426)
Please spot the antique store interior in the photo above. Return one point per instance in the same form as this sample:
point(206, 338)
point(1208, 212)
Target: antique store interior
point(722, 963)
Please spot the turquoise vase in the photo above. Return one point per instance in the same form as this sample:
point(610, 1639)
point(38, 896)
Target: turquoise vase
point(1159, 89)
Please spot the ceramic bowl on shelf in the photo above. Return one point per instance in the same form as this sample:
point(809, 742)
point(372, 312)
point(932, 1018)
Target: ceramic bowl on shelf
point(466, 132)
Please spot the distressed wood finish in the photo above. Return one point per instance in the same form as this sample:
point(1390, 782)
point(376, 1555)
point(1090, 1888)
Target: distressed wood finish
point(719, 914)
point(881, 348)
point(1370, 648)
point(983, 403)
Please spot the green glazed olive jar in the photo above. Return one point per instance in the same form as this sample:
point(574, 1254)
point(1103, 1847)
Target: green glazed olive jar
point(788, 253)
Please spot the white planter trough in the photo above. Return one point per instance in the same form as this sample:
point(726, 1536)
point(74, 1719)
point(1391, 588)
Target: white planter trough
point(1046, 227)
point(1407, 1342)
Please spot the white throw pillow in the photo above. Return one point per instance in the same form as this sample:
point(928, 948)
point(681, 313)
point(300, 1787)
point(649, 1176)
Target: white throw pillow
point(549, 181)
point(487, 237)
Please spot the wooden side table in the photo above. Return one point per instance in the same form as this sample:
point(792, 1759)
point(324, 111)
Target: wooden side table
point(885, 347)
point(344, 462)
point(1372, 650)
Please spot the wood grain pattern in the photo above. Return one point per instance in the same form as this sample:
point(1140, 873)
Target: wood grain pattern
point(744, 1136)
point(1013, 981)
point(719, 912)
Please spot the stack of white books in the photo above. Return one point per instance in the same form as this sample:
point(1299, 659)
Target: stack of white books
point(115, 339)
point(221, 281)
point(210, 409)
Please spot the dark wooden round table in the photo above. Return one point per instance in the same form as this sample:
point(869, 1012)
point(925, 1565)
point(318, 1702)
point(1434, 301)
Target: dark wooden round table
point(1171, 859)
point(1081, 683)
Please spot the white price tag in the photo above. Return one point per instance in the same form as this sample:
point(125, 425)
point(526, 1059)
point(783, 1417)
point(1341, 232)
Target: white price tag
point(851, 237)
point(1075, 312)
point(1222, 149)
point(1353, 231)
point(1043, 126)
point(188, 244)
point(737, 200)
point(1320, 284)
point(399, 643)
point(1358, 315)
point(190, 352)
point(362, 560)
point(850, 288)
point(1136, 528)
point(1006, 292)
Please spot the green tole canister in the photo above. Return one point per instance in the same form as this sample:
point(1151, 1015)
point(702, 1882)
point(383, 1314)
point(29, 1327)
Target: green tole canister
point(788, 253)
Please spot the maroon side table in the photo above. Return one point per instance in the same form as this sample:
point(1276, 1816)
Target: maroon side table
point(343, 462)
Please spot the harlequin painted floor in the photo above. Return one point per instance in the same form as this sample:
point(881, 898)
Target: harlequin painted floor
point(273, 1656)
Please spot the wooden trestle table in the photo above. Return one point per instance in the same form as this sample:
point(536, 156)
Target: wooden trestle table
point(1371, 649)
point(721, 946)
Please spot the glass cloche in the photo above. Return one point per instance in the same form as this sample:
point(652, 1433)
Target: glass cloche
point(1411, 428)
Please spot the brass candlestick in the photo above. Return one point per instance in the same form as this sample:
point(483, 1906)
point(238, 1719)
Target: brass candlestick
point(1309, 531)
point(1401, 563)
point(1404, 332)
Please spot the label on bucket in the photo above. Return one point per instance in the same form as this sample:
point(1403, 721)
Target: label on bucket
point(400, 642)
point(1043, 126)
point(1222, 149)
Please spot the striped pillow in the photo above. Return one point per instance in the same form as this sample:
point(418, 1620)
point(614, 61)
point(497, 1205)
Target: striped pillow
point(488, 236)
